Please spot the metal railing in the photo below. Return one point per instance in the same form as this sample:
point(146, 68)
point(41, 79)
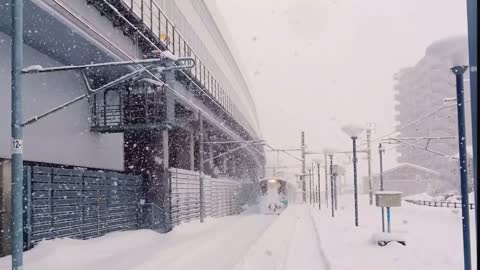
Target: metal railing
point(440, 204)
point(141, 108)
point(153, 17)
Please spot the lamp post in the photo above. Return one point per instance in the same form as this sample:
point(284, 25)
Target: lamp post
point(458, 71)
point(353, 132)
point(381, 150)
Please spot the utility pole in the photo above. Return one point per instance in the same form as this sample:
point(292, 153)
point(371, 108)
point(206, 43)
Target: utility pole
point(326, 177)
point(319, 194)
point(310, 184)
point(331, 183)
point(17, 135)
point(369, 157)
point(313, 183)
point(302, 177)
point(355, 179)
point(335, 174)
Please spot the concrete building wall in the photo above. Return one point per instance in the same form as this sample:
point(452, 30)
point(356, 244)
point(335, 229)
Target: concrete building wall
point(65, 136)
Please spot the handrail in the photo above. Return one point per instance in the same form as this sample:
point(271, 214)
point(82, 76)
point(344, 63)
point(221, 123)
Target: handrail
point(203, 75)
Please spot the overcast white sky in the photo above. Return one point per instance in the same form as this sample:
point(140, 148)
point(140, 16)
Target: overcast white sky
point(317, 64)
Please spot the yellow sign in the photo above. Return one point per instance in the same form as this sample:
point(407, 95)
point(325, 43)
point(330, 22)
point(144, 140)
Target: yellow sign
point(165, 38)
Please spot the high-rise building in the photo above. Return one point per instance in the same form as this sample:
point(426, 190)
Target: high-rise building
point(422, 89)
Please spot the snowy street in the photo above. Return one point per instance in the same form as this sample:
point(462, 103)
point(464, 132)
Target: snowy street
point(301, 238)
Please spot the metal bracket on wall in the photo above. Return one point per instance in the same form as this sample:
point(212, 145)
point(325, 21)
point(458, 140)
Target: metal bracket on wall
point(188, 63)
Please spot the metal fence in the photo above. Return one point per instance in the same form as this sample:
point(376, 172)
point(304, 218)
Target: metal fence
point(185, 195)
point(78, 203)
point(85, 203)
point(222, 196)
point(439, 204)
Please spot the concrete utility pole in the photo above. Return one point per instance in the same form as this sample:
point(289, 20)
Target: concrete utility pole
point(331, 183)
point(17, 135)
point(302, 177)
point(355, 196)
point(310, 184)
point(326, 178)
point(369, 158)
point(335, 187)
point(319, 195)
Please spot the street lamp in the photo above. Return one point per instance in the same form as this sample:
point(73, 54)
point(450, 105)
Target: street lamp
point(353, 132)
point(458, 71)
point(329, 152)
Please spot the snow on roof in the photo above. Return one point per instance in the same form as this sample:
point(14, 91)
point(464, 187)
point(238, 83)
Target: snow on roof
point(388, 192)
point(33, 68)
point(412, 166)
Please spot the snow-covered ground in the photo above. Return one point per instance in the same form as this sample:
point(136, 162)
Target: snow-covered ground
point(291, 243)
point(301, 238)
point(217, 244)
point(446, 197)
point(433, 237)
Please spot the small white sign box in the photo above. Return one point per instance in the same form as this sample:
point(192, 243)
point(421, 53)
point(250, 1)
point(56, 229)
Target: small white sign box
point(388, 198)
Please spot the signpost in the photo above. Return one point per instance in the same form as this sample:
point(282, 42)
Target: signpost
point(388, 199)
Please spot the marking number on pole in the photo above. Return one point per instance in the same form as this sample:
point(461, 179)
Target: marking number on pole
point(17, 146)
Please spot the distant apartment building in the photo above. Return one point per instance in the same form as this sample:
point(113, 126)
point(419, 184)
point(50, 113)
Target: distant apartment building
point(422, 89)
